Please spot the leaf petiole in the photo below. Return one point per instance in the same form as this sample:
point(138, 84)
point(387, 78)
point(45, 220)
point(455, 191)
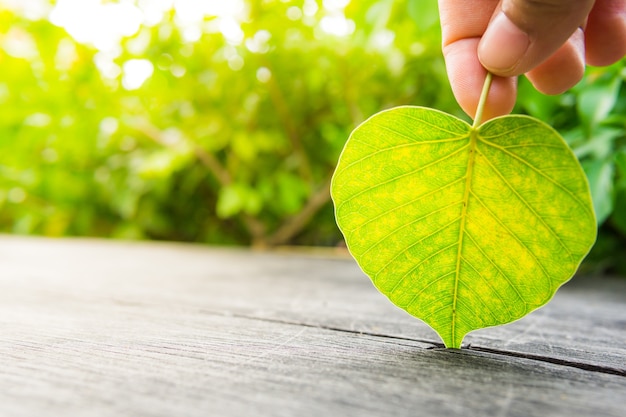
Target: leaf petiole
point(482, 101)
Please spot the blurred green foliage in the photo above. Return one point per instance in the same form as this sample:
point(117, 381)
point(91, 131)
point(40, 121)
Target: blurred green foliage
point(234, 142)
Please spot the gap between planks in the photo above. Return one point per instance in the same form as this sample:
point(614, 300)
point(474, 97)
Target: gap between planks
point(437, 345)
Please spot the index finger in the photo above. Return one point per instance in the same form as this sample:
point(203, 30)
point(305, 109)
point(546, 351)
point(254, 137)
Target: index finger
point(462, 25)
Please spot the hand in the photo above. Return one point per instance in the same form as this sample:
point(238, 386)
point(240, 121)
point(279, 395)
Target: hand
point(548, 40)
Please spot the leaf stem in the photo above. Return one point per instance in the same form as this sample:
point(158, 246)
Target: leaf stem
point(482, 100)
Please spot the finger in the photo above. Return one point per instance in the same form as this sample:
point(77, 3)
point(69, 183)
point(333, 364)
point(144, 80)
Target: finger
point(524, 33)
point(467, 77)
point(462, 19)
point(564, 69)
point(605, 33)
point(462, 25)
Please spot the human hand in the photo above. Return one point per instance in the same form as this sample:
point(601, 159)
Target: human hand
point(548, 40)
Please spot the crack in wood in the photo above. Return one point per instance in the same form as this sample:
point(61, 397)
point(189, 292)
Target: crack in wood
point(436, 345)
point(556, 361)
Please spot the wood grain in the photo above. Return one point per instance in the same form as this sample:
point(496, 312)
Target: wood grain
point(101, 328)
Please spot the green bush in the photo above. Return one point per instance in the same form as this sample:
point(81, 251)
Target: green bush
point(234, 142)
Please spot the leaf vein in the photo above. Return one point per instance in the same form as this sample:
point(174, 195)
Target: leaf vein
point(427, 142)
point(433, 125)
point(540, 173)
point(408, 203)
point(476, 295)
point(393, 232)
point(505, 276)
point(406, 174)
point(517, 239)
point(403, 277)
point(417, 242)
point(389, 149)
point(486, 281)
point(507, 133)
point(531, 208)
point(419, 293)
point(529, 145)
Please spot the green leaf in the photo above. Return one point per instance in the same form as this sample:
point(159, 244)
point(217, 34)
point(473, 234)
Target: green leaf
point(620, 163)
point(600, 175)
point(600, 145)
point(462, 227)
point(534, 102)
point(236, 198)
point(597, 100)
point(425, 14)
point(618, 218)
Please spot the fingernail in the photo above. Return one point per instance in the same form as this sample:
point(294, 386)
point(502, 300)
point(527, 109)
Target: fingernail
point(503, 45)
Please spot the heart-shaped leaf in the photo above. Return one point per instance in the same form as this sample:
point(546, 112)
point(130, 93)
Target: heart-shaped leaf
point(463, 227)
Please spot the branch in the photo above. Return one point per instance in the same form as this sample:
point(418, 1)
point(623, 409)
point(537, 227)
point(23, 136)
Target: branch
point(255, 228)
point(295, 224)
point(282, 109)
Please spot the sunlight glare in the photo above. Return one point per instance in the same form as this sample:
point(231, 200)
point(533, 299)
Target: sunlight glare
point(18, 43)
point(259, 43)
point(193, 9)
point(30, 9)
point(190, 15)
point(231, 30)
point(105, 62)
point(337, 25)
point(335, 22)
point(136, 72)
point(91, 22)
point(104, 24)
point(334, 5)
point(310, 8)
point(154, 10)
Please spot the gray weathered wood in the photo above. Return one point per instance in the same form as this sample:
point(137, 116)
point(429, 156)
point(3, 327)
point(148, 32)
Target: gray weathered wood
point(99, 328)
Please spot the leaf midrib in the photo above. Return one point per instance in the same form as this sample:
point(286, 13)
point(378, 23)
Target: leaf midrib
point(468, 183)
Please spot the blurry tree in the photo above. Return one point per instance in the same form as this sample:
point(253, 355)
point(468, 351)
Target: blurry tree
point(228, 131)
point(232, 138)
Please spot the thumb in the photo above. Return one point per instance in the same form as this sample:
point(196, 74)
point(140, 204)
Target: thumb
point(524, 33)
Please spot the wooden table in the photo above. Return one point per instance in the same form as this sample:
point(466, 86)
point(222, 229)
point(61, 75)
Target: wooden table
point(103, 328)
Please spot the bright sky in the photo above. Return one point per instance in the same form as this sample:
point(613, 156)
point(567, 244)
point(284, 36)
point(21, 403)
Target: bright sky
point(103, 25)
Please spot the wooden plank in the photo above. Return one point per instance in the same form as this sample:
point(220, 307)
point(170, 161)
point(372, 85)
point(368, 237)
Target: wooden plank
point(585, 322)
point(97, 328)
point(116, 359)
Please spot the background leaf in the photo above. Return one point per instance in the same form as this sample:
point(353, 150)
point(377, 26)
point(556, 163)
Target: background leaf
point(600, 174)
point(597, 100)
point(463, 228)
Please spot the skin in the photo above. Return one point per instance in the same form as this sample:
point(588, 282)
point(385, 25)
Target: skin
point(550, 41)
